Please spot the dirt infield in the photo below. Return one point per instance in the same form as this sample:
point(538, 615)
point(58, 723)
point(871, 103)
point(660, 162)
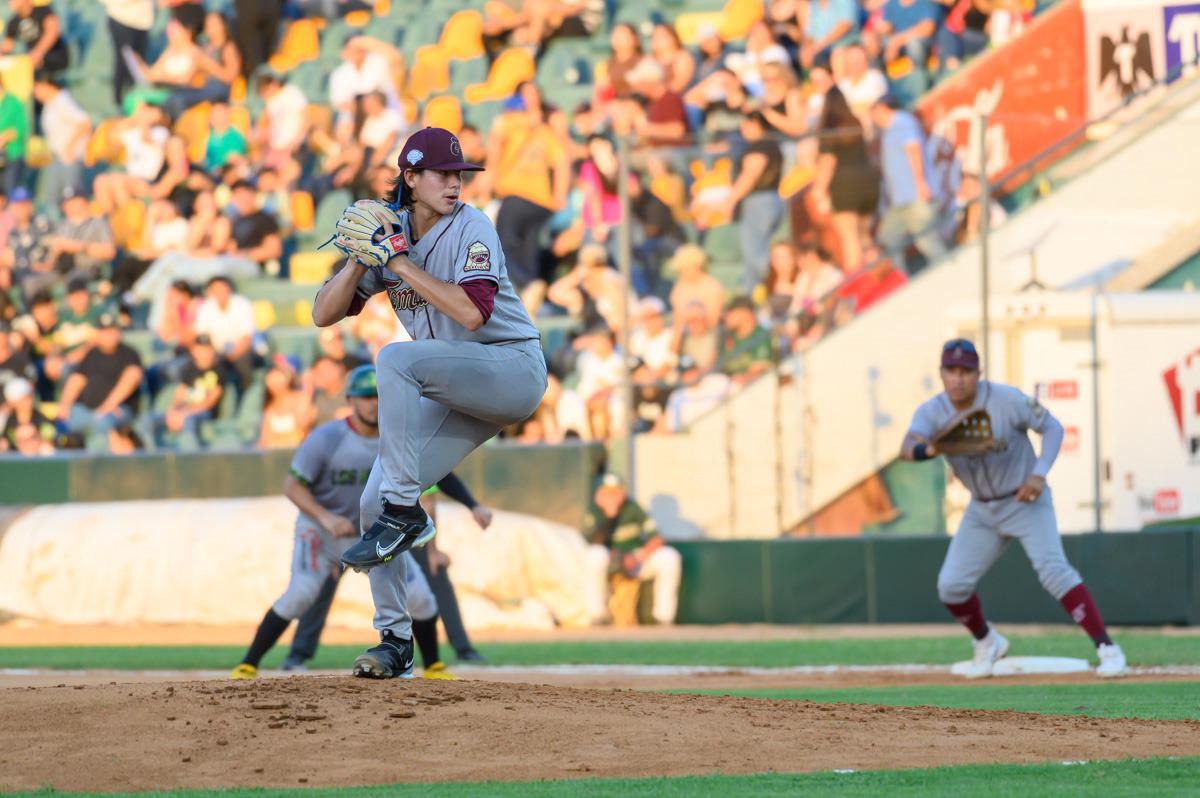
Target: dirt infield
point(209, 734)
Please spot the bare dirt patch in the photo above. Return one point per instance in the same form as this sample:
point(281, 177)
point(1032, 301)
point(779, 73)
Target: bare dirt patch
point(221, 734)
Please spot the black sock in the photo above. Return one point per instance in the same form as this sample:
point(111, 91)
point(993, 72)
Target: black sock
point(405, 512)
point(269, 631)
point(425, 635)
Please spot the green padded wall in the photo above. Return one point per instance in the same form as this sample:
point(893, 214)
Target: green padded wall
point(552, 482)
point(1147, 578)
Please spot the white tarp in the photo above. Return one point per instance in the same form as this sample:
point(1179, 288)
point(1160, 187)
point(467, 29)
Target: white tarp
point(223, 561)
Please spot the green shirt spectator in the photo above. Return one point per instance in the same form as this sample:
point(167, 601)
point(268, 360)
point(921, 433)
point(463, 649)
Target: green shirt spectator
point(746, 350)
point(629, 529)
point(224, 140)
point(14, 127)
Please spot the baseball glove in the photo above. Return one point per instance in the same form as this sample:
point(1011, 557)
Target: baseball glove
point(968, 433)
point(371, 233)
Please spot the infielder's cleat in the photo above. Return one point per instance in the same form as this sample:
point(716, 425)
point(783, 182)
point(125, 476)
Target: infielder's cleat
point(244, 671)
point(438, 671)
point(391, 535)
point(293, 665)
point(1112, 661)
point(391, 659)
point(987, 651)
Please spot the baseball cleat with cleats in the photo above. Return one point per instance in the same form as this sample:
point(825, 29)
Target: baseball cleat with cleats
point(244, 671)
point(987, 651)
point(391, 659)
point(438, 671)
point(397, 530)
point(1112, 661)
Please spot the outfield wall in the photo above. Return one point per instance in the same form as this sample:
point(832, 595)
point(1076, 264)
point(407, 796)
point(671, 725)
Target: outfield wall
point(500, 476)
point(1143, 578)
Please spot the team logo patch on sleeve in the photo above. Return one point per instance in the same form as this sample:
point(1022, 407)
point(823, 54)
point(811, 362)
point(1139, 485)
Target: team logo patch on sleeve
point(479, 258)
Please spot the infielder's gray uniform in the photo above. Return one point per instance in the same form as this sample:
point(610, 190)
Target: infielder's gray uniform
point(448, 390)
point(994, 514)
point(334, 462)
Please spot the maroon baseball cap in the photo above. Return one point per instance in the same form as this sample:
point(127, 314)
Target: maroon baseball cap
point(960, 353)
point(435, 148)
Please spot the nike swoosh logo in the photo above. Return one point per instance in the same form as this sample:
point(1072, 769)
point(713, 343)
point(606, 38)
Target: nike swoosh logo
point(407, 666)
point(383, 552)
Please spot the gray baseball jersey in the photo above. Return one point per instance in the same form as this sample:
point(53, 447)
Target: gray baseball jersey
point(461, 247)
point(1013, 414)
point(334, 462)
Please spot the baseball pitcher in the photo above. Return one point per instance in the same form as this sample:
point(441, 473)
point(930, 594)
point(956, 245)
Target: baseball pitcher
point(982, 429)
point(475, 364)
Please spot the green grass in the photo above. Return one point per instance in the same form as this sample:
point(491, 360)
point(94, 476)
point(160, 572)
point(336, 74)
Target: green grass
point(1148, 700)
point(1131, 777)
point(1142, 648)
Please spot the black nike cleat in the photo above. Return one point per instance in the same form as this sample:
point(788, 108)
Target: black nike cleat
point(395, 531)
point(391, 659)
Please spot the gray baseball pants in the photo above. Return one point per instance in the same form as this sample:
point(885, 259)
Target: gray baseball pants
point(985, 531)
point(438, 401)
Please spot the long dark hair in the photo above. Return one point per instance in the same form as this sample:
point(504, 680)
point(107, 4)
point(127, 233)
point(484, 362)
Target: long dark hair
point(838, 122)
point(399, 193)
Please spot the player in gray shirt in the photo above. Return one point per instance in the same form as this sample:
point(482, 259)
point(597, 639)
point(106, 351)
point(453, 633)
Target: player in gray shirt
point(325, 483)
point(1009, 499)
point(475, 365)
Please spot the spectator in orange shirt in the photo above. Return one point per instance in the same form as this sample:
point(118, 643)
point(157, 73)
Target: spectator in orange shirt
point(532, 176)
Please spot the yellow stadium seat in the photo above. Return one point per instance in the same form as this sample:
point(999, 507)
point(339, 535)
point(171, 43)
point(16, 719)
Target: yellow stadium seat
point(264, 314)
point(511, 68)
point(17, 73)
point(688, 25)
point(430, 72)
point(302, 312)
point(103, 146)
point(311, 268)
point(795, 180)
point(462, 37)
point(192, 125)
point(237, 90)
point(383, 7)
point(304, 211)
point(301, 42)
point(445, 112)
point(737, 17)
point(37, 153)
point(127, 223)
point(358, 19)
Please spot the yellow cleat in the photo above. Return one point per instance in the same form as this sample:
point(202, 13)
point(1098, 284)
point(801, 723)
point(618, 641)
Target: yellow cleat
point(244, 671)
point(438, 671)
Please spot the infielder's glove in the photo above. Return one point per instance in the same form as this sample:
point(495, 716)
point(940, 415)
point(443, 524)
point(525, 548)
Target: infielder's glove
point(968, 433)
point(371, 233)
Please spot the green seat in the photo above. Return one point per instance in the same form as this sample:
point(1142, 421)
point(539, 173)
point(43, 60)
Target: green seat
point(249, 416)
point(723, 243)
point(299, 342)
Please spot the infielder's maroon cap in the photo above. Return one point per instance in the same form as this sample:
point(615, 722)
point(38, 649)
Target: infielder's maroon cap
point(960, 353)
point(435, 148)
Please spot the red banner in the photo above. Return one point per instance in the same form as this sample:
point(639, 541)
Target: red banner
point(1032, 90)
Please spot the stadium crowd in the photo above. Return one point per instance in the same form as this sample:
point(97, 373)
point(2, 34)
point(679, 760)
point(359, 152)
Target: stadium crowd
point(775, 182)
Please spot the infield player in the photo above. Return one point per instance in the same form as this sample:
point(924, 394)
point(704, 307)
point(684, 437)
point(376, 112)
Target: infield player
point(325, 483)
point(475, 364)
point(1009, 499)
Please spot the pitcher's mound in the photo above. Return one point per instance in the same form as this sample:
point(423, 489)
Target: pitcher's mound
point(330, 731)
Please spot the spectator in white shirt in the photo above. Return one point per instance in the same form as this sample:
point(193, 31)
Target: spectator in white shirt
point(228, 319)
point(144, 140)
point(66, 127)
point(282, 126)
point(861, 83)
point(601, 370)
point(367, 66)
